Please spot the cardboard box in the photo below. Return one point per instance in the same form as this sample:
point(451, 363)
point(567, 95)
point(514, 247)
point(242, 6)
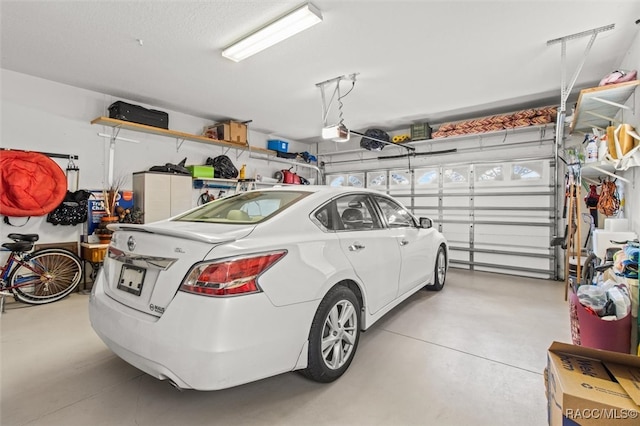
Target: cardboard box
point(591, 387)
point(201, 171)
point(232, 131)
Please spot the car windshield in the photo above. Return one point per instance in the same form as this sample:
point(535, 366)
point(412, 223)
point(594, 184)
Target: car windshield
point(248, 207)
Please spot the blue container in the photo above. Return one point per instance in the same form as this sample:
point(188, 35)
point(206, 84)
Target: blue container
point(278, 145)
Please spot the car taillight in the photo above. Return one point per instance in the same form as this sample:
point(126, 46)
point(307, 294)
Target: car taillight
point(231, 276)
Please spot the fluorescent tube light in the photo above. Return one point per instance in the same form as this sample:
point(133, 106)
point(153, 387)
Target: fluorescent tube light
point(299, 20)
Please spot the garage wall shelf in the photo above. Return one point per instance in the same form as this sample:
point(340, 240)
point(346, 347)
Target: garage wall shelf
point(218, 183)
point(598, 106)
point(481, 138)
point(179, 136)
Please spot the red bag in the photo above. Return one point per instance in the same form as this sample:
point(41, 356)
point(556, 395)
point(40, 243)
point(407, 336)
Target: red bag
point(290, 177)
point(31, 184)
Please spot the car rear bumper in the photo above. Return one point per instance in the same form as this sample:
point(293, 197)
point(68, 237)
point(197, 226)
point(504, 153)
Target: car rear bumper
point(202, 342)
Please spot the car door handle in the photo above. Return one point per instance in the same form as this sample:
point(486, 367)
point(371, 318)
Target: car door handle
point(356, 247)
point(404, 242)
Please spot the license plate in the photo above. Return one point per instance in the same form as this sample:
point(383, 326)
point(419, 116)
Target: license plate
point(131, 279)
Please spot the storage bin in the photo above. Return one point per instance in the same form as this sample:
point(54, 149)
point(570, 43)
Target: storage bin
point(278, 145)
point(597, 333)
point(201, 171)
point(94, 253)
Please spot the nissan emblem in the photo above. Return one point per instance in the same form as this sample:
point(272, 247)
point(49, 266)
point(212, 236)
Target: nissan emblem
point(131, 244)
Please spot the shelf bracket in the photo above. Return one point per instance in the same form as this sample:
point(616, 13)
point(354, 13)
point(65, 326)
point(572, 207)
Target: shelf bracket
point(609, 173)
point(615, 104)
point(604, 117)
point(179, 142)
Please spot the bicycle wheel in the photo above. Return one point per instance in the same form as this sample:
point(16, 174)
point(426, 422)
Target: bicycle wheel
point(49, 275)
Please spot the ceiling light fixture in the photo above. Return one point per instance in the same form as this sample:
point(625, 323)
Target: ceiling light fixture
point(282, 28)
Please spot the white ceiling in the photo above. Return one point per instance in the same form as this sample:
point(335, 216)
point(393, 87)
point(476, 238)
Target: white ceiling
point(417, 60)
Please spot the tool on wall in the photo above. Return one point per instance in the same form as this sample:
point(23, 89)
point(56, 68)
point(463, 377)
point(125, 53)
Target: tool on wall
point(205, 197)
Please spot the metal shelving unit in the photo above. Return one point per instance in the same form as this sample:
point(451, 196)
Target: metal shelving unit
point(598, 106)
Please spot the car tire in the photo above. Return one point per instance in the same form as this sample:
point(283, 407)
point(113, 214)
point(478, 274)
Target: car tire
point(334, 335)
point(440, 271)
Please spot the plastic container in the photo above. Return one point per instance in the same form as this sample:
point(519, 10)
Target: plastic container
point(591, 151)
point(601, 334)
point(278, 145)
point(201, 171)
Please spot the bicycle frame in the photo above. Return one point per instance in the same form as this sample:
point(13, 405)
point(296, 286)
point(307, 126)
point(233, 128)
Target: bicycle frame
point(8, 266)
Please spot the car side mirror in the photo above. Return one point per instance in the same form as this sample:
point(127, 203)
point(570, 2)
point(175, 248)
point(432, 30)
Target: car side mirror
point(426, 223)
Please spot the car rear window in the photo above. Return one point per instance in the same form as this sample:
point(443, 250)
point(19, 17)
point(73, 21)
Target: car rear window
point(247, 207)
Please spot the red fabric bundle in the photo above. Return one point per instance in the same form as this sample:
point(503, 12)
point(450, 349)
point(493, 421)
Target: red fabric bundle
point(31, 184)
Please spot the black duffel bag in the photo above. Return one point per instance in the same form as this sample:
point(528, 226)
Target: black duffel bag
point(137, 114)
point(222, 167)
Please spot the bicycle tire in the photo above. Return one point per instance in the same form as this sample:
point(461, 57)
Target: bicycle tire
point(61, 273)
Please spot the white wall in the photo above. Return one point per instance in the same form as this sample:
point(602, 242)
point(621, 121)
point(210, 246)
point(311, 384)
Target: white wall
point(40, 115)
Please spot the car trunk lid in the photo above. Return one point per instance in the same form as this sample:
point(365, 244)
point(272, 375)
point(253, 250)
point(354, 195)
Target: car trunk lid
point(147, 263)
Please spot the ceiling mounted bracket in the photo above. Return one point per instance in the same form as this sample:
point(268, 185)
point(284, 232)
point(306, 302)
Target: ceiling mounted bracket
point(334, 84)
point(565, 89)
point(335, 131)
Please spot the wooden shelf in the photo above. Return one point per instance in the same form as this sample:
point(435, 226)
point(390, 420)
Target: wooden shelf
point(597, 106)
point(112, 122)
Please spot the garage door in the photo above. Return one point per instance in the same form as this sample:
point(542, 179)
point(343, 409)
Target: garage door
point(496, 209)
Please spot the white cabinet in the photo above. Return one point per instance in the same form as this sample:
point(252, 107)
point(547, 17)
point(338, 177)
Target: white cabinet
point(161, 195)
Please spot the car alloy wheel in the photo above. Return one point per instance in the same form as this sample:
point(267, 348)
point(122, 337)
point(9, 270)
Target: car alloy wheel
point(334, 335)
point(339, 334)
point(440, 272)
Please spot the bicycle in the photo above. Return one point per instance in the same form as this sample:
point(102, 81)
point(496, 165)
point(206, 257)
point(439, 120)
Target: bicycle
point(37, 277)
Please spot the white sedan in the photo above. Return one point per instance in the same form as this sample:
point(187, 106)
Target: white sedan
point(261, 283)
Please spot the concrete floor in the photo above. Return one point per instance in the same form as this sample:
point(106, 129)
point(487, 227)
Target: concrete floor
point(472, 354)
